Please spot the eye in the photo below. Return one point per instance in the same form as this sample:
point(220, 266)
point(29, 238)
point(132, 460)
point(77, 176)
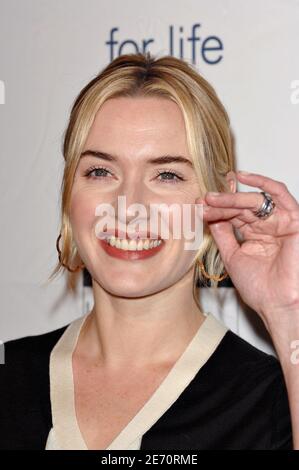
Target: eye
point(97, 172)
point(169, 176)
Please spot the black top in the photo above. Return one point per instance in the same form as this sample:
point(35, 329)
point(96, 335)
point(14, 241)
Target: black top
point(237, 400)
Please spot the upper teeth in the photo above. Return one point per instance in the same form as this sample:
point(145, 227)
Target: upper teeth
point(131, 245)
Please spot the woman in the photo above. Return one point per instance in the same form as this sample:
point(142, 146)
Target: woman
point(147, 368)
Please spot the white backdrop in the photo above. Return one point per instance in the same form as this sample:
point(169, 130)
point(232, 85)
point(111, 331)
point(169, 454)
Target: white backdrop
point(49, 49)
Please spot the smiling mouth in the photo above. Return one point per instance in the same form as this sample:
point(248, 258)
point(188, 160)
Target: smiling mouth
point(131, 250)
point(132, 245)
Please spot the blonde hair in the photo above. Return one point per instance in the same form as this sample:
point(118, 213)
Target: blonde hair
point(207, 126)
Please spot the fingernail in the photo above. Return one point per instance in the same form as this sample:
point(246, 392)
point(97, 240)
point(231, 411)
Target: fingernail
point(214, 194)
point(244, 172)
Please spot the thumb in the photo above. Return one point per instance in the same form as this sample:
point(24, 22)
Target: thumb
point(224, 236)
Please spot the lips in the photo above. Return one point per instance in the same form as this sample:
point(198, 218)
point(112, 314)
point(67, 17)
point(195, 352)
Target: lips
point(115, 252)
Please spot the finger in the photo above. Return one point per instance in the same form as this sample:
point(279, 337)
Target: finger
point(225, 239)
point(213, 214)
point(278, 190)
point(250, 200)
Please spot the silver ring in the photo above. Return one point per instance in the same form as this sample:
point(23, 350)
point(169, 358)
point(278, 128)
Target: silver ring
point(266, 208)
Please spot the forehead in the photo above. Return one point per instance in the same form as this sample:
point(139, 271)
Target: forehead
point(139, 121)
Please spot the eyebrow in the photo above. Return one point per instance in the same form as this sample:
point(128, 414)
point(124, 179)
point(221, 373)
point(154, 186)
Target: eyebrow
point(163, 159)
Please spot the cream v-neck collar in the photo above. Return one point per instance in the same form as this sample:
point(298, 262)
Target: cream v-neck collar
point(67, 432)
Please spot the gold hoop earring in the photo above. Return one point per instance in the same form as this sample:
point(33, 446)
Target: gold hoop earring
point(72, 270)
point(214, 278)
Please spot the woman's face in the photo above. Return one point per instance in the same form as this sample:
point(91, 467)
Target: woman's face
point(134, 131)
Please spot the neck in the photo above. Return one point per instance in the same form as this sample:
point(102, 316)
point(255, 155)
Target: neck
point(144, 331)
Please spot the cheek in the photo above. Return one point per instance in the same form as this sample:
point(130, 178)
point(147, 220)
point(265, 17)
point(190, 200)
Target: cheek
point(185, 220)
point(82, 210)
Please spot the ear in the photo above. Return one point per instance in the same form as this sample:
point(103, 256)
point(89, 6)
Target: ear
point(231, 178)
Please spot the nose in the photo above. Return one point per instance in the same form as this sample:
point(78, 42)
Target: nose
point(132, 200)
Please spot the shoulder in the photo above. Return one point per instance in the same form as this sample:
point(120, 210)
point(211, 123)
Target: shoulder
point(38, 346)
point(25, 409)
point(26, 360)
point(26, 364)
point(238, 360)
point(236, 349)
point(252, 382)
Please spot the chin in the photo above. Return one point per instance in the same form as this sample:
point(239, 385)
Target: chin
point(130, 288)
